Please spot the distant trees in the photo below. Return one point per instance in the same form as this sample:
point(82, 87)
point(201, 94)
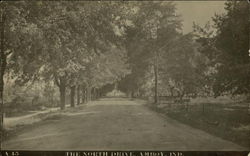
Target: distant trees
point(106, 69)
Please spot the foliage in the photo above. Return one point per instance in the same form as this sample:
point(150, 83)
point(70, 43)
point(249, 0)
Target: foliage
point(181, 66)
point(155, 25)
point(99, 44)
point(228, 49)
point(71, 43)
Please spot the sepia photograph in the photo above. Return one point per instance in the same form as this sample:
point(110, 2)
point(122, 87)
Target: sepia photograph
point(124, 76)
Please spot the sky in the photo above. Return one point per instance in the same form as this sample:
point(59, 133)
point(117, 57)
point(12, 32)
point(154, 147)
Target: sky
point(198, 11)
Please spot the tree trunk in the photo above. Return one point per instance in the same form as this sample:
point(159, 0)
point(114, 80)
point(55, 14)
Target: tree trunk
point(72, 96)
point(133, 94)
point(3, 63)
point(98, 93)
point(130, 94)
point(83, 94)
point(2, 116)
point(87, 94)
point(94, 94)
point(90, 94)
point(203, 107)
point(62, 96)
point(156, 82)
point(78, 95)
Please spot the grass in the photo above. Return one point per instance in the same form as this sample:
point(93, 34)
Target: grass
point(229, 121)
point(43, 119)
point(38, 119)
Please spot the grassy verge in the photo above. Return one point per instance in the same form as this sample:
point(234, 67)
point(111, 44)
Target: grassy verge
point(35, 121)
point(228, 121)
point(38, 119)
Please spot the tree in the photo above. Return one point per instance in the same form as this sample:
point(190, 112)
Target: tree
point(228, 49)
point(155, 26)
point(18, 41)
point(74, 33)
point(62, 41)
point(233, 43)
point(181, 66)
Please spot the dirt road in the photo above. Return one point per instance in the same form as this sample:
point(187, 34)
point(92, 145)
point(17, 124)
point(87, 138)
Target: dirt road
point(115, 124)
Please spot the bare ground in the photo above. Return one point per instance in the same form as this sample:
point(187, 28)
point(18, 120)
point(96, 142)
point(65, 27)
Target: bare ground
point(115, 124)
